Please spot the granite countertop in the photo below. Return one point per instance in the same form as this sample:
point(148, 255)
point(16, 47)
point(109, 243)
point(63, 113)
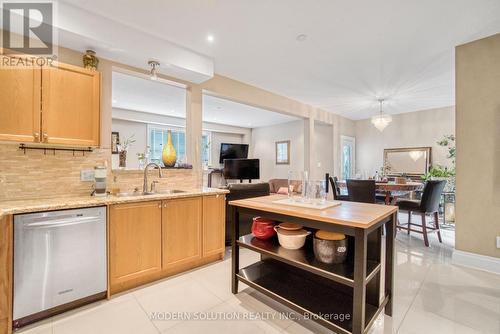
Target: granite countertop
point(71, 202)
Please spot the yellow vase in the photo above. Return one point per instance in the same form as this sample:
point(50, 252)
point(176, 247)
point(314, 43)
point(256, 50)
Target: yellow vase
point(169, 156)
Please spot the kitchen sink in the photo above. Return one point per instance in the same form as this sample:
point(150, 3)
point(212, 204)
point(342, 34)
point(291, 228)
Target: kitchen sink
point(128, 194)
point(171, 191)
point(140, 193)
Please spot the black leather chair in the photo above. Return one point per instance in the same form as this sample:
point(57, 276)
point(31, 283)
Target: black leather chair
point(361, 191)
point(336, 190)
point(241, 191)
point(429, 204)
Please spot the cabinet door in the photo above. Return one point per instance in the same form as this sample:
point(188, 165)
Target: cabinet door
point(70, 105)
point(181, 219)
point(20, 89)
point(134, 244)
point(214, 223)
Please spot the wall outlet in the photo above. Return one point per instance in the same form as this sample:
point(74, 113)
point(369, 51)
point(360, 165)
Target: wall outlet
point(498, 241)
point(87, 175)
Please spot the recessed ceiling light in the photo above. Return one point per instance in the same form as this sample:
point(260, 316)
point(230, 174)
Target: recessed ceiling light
point(210, 38)
point(301, 37)
point(114, 101)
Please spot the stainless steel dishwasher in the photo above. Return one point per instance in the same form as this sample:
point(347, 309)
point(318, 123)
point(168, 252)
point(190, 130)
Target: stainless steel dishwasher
point(59, 262)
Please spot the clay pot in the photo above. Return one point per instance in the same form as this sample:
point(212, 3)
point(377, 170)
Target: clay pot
point(263, 228)
point(292, 239)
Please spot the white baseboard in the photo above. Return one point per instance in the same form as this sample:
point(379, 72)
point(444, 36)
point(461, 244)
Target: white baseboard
point(476, 261)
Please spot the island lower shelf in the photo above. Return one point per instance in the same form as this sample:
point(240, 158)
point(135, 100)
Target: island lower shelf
point(308, 294)
point(304, 258)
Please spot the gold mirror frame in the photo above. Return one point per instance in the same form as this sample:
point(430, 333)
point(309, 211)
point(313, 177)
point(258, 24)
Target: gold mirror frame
point(428, 159)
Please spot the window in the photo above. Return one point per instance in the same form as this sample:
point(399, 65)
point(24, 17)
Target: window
point(157, 137)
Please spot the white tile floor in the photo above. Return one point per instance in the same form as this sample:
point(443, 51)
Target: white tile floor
point(431, 296)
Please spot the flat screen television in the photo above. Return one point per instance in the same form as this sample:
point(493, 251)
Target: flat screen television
point(233, 151)
point(242, 169)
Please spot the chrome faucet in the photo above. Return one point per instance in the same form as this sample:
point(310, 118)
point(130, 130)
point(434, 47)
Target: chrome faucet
point(145, 185)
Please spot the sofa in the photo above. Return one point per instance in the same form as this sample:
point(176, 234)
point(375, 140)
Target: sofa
point(242, 191)
point(276, 184)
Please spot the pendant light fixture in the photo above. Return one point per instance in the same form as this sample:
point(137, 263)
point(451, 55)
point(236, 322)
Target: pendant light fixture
point(381, 121)
point(154, 69)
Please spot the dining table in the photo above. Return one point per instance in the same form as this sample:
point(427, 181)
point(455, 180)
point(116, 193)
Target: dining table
point(390, 189)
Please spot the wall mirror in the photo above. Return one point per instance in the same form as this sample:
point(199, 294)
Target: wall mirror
point(411, 161)
point(148, 120)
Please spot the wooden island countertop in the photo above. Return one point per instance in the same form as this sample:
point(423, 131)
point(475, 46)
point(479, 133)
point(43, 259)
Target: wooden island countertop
point(353, 214)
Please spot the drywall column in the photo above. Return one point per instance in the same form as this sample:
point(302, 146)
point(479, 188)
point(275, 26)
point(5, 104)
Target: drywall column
point(478, 146)
point(309, 151)
point(194, 120)
point(106, 70)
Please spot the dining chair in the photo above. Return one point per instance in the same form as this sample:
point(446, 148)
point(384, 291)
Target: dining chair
point(429, 204)
point(336, 190)
point(361, 191)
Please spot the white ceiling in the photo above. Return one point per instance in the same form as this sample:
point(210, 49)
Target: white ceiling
point(222, 111)
point(355, 51)
point(135, 93)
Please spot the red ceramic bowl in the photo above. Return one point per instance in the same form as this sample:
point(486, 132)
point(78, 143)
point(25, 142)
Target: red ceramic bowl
point(263, 228)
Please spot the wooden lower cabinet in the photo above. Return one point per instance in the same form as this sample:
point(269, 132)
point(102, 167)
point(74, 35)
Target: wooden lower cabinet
point(135, 244)
point(6, 260)
point(182, 233)
point(214, 215)
point(151, 240)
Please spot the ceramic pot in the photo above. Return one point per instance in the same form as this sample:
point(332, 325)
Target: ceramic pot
point(330, 251)
point(169, 156)
point(263, 228)
point(294, 239)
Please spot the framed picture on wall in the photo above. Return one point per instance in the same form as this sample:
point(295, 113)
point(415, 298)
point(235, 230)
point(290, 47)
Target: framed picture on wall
point(115, 140)
point(283, 152)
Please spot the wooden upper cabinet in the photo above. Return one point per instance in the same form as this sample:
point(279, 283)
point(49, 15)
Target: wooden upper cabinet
point(70, 105)
point(214, 221)
point(20, 89)
point(135, 244)
point(181, 223)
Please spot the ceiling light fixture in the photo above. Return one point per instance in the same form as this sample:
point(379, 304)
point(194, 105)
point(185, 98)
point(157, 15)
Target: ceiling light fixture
point(155, 66)
point(381, 121)
point(210, 38)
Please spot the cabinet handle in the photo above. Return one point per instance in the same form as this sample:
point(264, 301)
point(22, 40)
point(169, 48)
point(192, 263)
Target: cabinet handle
point(159, 206)
point(164, 205)
point(45, 137)
point(36, 136)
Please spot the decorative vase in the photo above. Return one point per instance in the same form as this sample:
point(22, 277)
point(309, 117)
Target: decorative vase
point(90, 61)
point(123, 159)
point(169, 156)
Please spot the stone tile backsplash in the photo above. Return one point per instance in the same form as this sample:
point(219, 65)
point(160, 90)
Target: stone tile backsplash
point(39, 175)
